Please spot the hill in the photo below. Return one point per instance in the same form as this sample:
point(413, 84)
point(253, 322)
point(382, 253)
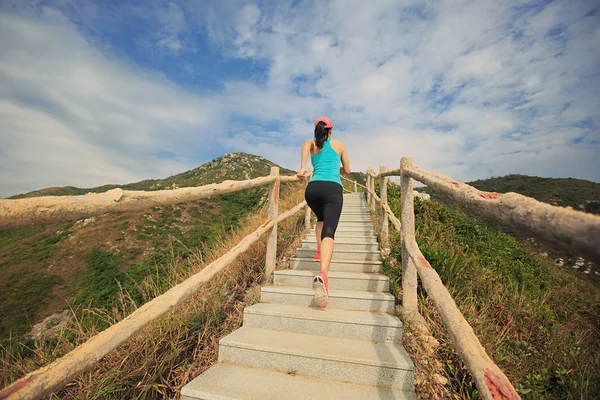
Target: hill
point(234, 166)
point(565, 192)
point(84, 262)
point(537, 320)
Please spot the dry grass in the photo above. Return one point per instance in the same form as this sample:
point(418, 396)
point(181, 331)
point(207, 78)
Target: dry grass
point(171, 351)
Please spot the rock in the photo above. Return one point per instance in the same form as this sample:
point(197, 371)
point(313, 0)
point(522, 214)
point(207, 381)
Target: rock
point(50, 326)
point(422, 196)
point(441, 379)
point(560, 262)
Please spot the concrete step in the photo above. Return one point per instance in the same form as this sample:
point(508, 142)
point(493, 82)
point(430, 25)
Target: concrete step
point(236, 382)
point(312, 245)
point(356, 212)
point(308, 264)
point(337, 280)
point(360, 325)
point(339, 255)
point(343, 299)
point(350, 231)
point(347, 234)
point(361, 362)
point(345, 240)
point(356, 221)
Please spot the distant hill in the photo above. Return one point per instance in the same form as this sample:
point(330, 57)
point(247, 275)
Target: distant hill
point(83, 262)
point(565, 192)
point(234, 166)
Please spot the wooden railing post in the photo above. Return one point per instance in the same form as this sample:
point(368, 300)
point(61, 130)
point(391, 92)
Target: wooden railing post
point(407, 229)
point(384, 217)
point(369, 187)
point(271, 257)
point(307, 211)
point(355, 188)
point(370, 171)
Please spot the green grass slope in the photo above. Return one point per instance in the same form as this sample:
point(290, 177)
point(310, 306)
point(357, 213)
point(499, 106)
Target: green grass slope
point(235, 166)
point(539, 322)
point(565, 192)
point(86, 262)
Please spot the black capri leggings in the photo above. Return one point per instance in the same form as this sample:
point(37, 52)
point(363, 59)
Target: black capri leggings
point(326, 199)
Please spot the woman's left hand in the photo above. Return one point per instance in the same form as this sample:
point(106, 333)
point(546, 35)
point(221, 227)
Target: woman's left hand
point(301, 174)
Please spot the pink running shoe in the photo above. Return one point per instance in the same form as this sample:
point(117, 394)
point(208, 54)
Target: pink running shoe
point(321, 283)
point(317, 255)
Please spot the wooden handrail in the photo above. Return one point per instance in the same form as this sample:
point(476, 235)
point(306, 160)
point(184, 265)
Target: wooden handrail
point(356, 183)
point(567, 228)
point(34, 210)
point(491, 381)
point(55, 376)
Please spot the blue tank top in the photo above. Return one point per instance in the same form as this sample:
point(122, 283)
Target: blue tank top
point(326, 164)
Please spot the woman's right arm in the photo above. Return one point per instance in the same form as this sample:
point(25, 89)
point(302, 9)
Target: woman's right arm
point(346, 164)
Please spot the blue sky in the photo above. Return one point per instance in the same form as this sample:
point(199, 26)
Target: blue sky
point(115, 92)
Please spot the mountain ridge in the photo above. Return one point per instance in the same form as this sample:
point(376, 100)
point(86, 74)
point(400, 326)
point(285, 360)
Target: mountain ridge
point(230, 166)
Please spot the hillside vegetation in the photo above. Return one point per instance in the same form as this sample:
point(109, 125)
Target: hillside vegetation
point(235, 166)
point(87, 262)
point(538, 321)
point(173, 350)
point(565, 192)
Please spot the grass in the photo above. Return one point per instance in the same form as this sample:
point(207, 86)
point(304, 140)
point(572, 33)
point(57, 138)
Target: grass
point(565, 192)
point(538, 322)
point(25, 290)
point(171, 351)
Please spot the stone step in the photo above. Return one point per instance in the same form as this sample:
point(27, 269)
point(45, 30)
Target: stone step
point(360, 325)
point(370, 246)
point(347, 234)
point(236, 382)
point(339, 255)
point(337, 280)
point(355, 222)
point(343, 299)
point(354, 231)
point(308, 264)
point(361, 362)
point(345, 240)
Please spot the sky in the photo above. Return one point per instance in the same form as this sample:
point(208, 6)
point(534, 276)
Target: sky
point(98, 92)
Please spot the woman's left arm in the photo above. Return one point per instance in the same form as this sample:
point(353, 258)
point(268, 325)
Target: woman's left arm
point(304, 157)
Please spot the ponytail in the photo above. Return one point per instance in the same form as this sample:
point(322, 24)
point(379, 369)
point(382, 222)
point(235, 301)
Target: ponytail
point(321, 134)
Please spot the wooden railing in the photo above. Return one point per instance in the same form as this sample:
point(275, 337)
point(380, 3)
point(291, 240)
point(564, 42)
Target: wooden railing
point(570, 229)
point(17, 213)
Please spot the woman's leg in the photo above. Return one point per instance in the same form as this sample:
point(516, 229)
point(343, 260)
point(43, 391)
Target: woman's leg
point(314, 198)
point(318, 231)
point(331, 216)
point(326, 253)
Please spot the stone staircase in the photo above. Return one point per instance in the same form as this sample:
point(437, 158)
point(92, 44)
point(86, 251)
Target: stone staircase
point(289, 349)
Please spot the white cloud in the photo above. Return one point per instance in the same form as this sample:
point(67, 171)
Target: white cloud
point(74, 116)
point(467, 88)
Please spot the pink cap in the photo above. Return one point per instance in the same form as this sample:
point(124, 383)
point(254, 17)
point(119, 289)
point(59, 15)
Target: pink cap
point(327, 121)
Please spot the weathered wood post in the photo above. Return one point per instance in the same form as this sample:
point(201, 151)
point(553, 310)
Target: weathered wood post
point(368, 188)
point(271, 257)
point(371, 172)
point(355, 188)
point(384, 217)
point(407, 229)
point(307, 211)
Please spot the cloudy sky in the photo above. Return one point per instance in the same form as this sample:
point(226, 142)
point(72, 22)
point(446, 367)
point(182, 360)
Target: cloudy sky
point(95, 92)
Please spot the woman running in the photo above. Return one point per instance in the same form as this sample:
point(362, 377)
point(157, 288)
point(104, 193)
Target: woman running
point(324, 195)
